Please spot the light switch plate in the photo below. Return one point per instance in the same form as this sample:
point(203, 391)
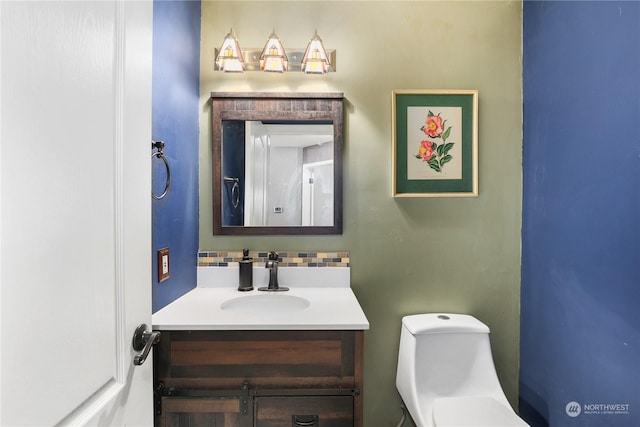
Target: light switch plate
point(163, 264)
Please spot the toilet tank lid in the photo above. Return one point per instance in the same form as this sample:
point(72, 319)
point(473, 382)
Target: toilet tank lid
point(443, 323)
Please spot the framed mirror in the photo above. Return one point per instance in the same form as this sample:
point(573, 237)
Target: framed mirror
point(277, 163)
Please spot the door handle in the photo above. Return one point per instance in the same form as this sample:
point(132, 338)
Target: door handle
point(143, 339)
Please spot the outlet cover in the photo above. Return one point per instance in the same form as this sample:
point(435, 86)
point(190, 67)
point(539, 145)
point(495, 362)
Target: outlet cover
point(163, 264)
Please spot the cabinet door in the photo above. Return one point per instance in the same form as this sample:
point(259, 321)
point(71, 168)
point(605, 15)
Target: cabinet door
point(316, 411)
point(210, 412)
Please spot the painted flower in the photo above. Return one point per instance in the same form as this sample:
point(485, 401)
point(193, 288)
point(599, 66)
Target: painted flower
point(425, 152)
point(434, 154)
point(434, 126)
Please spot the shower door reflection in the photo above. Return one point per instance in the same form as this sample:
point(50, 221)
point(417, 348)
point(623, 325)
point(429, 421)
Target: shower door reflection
point(288, 174)
point(317, 193)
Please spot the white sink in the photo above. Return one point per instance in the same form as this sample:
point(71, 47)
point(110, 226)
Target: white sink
point(300, 308)
point(266, 303)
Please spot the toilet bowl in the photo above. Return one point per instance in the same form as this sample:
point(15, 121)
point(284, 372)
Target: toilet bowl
point(446, 376)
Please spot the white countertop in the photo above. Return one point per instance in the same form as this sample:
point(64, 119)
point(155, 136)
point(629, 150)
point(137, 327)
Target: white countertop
point(330, 307)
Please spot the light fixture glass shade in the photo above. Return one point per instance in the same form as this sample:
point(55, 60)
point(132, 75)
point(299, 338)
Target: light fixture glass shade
point(273, 57)
point(229, 57)
point(315, 59)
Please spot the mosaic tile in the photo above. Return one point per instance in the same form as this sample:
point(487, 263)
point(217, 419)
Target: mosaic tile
point(286, 259)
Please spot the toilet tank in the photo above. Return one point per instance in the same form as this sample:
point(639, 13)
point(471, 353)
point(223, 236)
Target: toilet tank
point(443, 355)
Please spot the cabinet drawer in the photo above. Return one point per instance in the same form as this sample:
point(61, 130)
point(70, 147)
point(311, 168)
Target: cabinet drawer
point(267, 359)
point(316, 411)
point(211, 412)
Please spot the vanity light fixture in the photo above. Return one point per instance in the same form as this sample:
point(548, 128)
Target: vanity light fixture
point(273, 57)
point(315, 59)
point(229, 58)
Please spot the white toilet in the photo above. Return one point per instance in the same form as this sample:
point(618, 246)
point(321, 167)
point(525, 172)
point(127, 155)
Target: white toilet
point(446, 375)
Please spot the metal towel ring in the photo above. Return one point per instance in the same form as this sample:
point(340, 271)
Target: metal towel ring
point(235, 191)
point(159, 145)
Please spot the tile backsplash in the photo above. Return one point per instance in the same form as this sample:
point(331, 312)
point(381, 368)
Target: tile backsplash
point(220, 258)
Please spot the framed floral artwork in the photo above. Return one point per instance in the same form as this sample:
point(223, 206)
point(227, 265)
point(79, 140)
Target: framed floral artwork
point(435, 143)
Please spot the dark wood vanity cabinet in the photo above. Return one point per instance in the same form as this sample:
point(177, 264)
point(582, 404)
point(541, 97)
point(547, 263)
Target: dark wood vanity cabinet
point(259, 378)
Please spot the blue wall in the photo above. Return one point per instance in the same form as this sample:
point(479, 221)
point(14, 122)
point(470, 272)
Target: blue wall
point(580, 329)
point(176, 91)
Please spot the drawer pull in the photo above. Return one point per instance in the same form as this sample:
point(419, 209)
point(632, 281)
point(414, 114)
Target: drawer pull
point(304, 420)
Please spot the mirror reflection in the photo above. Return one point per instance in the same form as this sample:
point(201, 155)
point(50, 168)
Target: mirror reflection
point(277, 173)
point(277, 163)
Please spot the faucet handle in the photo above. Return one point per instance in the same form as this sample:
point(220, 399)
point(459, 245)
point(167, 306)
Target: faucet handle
point(273, 256)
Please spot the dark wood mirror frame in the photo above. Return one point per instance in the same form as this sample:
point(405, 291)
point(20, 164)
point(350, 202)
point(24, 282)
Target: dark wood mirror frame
point(276, 106)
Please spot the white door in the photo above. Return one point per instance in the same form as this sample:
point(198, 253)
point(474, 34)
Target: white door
point(75, 211)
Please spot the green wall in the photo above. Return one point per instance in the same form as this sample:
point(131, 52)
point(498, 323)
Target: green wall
point(407, 255)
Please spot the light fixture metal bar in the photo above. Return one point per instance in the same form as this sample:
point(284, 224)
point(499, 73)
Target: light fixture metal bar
point(252, 59)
